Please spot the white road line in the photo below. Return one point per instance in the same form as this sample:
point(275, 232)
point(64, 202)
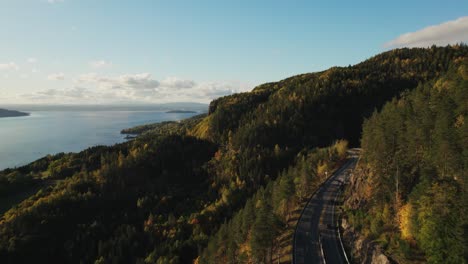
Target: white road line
point(338, 228)
point(321, 248)
point(327, 181)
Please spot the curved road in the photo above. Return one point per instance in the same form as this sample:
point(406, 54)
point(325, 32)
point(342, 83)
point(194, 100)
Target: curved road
point(317, 238)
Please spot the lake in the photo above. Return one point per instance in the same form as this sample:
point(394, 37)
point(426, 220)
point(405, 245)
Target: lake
point(25, 139)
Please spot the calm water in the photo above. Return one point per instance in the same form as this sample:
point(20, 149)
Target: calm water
point(25, 139)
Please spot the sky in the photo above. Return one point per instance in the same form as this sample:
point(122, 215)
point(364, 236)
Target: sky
point(151, 51)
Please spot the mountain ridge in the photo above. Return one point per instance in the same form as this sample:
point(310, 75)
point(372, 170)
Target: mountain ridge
point(163, 196)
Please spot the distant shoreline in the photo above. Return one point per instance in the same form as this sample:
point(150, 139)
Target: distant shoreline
point(103, 124)
point(180, 112)
point(11, 113)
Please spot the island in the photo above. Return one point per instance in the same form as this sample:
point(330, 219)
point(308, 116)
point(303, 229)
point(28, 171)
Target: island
point(11, 113)
point(180, 112)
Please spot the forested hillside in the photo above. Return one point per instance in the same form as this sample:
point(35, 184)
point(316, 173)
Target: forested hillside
point(261, 232)
point(162, 197)
point(414, 201)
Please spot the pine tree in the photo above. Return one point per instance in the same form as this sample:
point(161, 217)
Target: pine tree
point(263, 233)
point(287, 190)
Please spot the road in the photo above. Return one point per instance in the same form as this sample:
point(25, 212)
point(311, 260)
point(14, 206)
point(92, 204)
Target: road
point(317, 239)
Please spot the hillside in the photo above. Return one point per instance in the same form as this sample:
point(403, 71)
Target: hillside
point(410, 194)
point(171, 127)
point(11, 113)
point(162, 197)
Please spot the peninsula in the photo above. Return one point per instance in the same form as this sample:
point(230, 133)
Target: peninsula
point(11, 113)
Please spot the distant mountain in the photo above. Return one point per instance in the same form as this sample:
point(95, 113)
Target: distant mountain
point(11, 113)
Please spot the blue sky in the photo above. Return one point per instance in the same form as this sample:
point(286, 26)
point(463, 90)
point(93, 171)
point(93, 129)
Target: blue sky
point(107, 51)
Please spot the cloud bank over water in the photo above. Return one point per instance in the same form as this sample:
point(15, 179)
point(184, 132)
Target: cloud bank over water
point(135, 88)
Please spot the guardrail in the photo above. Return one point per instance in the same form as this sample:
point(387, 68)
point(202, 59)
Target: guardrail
point(321, 249)
point(338, 226)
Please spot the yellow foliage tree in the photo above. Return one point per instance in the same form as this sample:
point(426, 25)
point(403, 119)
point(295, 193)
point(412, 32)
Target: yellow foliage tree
point(322, 168)
point(341, 146)
point(404, 217)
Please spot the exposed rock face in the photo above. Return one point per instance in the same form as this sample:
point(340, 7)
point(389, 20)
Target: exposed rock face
point(357, 191)
point(362, 250)
point(379, 258)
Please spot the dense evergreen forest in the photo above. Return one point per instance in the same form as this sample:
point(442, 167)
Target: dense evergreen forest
point(415, 167)
point(223, 188)
point(261, 231)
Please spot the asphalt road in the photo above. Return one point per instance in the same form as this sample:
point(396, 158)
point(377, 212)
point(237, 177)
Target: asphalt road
point(317, 239)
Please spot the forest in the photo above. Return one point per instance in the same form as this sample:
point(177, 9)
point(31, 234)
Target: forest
point(225, 187)
point(414, 162)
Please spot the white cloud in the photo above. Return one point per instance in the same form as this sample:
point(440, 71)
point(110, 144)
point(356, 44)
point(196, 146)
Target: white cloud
point(90, 77)
point(55, 1)
point(31, 60)
point(60, 95)
point(137, 88)
point(138, 81)
point(127, 81)
point(174, 82)
point(9, 66)
point(208, 91)
point(450, 32)
point(100, 64)
point(56, 77)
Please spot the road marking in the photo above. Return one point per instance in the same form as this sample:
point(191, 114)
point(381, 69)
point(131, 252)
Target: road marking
point(337, 225)
point(321, 249)
point(327, 182)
